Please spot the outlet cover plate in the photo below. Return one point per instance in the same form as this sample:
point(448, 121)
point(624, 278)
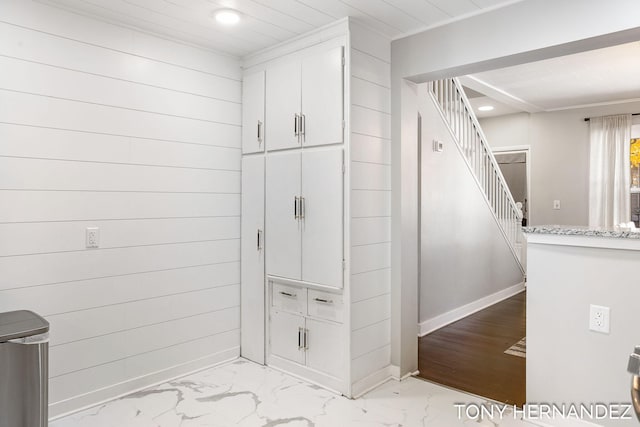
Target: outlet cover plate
point(92, 237)
point(599, 318)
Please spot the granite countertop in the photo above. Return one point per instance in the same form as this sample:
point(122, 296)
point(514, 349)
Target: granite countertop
point(570, 230)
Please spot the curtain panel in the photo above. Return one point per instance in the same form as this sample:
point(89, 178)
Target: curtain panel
point(609, 173)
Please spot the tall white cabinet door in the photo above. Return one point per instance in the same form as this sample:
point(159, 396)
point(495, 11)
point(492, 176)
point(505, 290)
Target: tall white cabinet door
point(322, 98)
point(283, 106)
point(252, 287)
point(322, 237)
point(286, 336)
point(253, 113)
point(283, 228)
point(325, 344)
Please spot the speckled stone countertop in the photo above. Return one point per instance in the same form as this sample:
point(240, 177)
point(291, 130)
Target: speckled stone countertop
point(569, 230)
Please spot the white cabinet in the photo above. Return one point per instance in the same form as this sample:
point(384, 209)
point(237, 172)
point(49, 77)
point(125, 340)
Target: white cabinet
point(284, 235)
point(305, 101)
point(322, 98)
point(283, 106)
point(253, 93)
point(252, 287)
point(293, 226)
point(287, 336)
point(305, 216)
point(322, 237)
point(324, 347)
point(297, 337)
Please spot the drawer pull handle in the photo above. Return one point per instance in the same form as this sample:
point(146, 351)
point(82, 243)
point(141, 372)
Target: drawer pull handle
point(287, 294)
point(326, 301)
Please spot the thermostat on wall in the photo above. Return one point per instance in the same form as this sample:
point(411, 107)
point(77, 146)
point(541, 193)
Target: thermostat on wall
point(437, 145)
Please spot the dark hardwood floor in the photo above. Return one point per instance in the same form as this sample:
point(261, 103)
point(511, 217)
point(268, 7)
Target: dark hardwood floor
point(469, 354)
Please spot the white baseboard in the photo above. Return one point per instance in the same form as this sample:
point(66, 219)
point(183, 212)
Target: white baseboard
point(395, 373)
point(372, 381)
point(449, 317)
point(97, 397)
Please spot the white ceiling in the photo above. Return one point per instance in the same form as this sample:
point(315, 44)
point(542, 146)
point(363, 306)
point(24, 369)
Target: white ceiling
point(268, 22)
point(603, 76)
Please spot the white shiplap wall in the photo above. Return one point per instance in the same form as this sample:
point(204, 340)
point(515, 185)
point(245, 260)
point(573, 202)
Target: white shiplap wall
point(370, 207)
point(107, 127)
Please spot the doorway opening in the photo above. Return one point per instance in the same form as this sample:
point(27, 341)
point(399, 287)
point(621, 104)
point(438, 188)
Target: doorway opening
point(472, 308)
point(515, 166)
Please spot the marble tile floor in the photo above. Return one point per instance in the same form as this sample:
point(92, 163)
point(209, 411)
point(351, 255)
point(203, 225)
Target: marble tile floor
point(242, 393)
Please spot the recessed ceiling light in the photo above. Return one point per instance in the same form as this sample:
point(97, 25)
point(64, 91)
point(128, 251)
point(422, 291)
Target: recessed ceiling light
point(227, 16)
point(485, 108)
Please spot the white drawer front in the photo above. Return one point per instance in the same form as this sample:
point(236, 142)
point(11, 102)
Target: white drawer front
point(326, 305)
point(289, 298)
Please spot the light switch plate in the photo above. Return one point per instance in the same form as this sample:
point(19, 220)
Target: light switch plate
point(438, 146)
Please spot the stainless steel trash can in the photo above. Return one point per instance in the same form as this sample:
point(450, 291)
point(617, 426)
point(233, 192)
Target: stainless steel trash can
point(634, 369)
point(24, 369)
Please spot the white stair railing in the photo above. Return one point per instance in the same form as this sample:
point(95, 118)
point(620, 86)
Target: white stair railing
point(456, 111)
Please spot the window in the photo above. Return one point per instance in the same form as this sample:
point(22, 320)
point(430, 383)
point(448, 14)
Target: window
point(635, 174)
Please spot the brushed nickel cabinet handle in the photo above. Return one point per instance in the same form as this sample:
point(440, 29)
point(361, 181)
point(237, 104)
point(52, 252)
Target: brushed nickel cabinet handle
point(260, 240)
point(296, 120)
point(260, 132)
point(324, 301)
point(287, 294)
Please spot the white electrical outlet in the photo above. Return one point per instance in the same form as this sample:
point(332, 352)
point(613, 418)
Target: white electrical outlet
point(93, 237)
point(556, 204)
point(599, 318)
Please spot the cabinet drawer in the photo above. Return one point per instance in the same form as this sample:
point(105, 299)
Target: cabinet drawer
point(326, 305)
point(289, 298)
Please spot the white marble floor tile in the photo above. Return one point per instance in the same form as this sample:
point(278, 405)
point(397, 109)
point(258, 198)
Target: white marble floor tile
point(245, 394)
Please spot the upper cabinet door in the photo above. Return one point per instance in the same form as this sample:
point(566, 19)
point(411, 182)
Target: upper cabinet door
point(252, 255)
point(282, 213)
point(322, 98)
point(283, 106)
point(253, 113)
point(322, 237)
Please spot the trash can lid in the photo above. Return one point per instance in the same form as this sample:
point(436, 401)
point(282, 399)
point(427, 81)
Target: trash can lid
point(20, 324)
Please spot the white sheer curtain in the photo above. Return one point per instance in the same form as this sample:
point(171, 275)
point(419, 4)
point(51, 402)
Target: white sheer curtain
point(609, 170)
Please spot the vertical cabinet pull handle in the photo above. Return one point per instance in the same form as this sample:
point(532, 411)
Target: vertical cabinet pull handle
point(303, 126)
point(296, 130)
point(296, 211)
point(259, 132)
point(260, 240)
point(299, 338)
point(306, 339)
point(302, 208)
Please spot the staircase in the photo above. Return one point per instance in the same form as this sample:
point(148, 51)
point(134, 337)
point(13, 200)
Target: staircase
point(456, 111)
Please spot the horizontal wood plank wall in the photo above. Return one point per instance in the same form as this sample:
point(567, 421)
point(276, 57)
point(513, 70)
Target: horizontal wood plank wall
point(103, 126)
point(370, 202)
